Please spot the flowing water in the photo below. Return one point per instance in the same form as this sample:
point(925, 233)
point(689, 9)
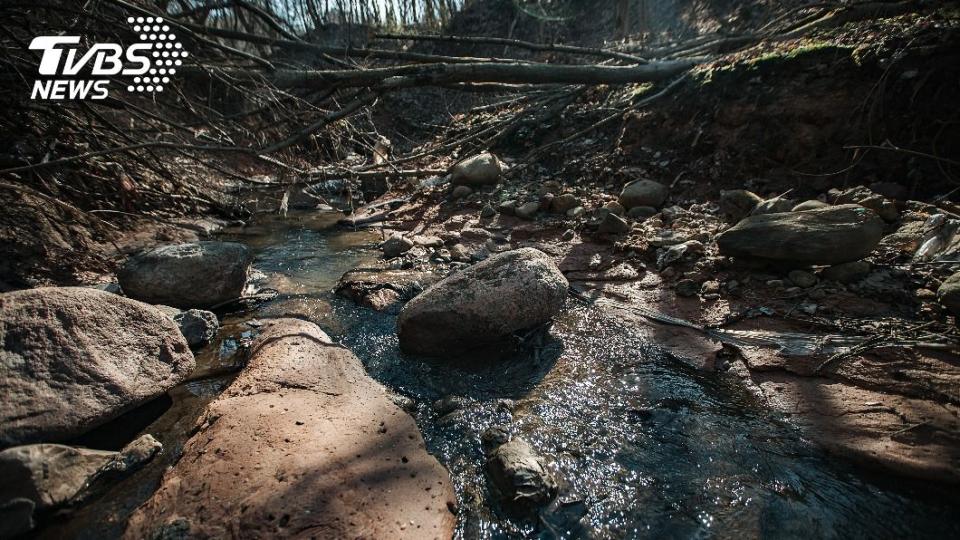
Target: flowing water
point(644, 447)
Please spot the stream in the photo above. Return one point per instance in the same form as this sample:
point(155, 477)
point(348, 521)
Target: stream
point(642, 445)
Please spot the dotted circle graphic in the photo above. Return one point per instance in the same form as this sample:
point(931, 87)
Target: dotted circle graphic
point(166, 52)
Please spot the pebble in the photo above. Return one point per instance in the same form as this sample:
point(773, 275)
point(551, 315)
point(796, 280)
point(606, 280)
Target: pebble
point(802, 278)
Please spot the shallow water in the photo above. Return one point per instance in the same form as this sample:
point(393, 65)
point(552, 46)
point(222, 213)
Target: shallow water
point(644, 446)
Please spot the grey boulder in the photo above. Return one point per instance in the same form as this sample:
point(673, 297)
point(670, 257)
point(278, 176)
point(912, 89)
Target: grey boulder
point(643, 193)
point(479, 170)
point(825, 236)
point(483, 304)
point(74, 358)
point(192, 275)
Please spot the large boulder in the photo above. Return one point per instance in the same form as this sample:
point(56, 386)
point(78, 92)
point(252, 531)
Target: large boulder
point(54, 475)
point(193, 275)
point(483, 304)
point(480, 170)
point(302, 444)
point(824, 236)
point(643, 193)
point(74, 358)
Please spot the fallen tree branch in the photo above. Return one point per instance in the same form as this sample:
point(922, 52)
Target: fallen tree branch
point(528, 45)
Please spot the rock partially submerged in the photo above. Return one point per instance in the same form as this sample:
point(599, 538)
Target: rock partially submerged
point(480, 170)
point(483, 304)
point(193, 275)
point(825, 236)
point(75, 358)
point(520, 476)
point(302, 443)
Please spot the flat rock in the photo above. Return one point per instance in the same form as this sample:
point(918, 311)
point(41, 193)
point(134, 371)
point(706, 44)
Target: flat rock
point(192, 275)
point(483, 304)
point(74, 358)
point(303, 443)
point(826, 236)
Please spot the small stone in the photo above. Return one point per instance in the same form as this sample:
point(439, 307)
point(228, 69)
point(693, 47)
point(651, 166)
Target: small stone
point(508, 208)
point(949, 293)
point(488, 211)
point(850, 272)
point(614, 207)
point(736, 204)
point(925, 294)
point(198, 326)
point(775, 283)
point(613, 224)
point(812, 204)
point(561, 204)
point(459, 253)
point(460, 192)
point(686, 288)
point(575, 213)
point(710, 287)
point(802, 278)
point(775, 205)
point(521, 476)
point(641, 212)
point(528, 210)
point(479, 170)
point(395, 246)
point(568, 235)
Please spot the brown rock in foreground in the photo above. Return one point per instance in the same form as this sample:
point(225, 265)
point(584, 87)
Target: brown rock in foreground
point(302, 444)
point(74, 358)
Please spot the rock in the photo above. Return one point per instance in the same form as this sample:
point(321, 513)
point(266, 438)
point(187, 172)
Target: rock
point(850, 272)
point(562, 204)
point(812, 204)
point(949, 293)
point(520, 476)
point(773, 206)
point(802, 278)
point(907, 238)
point(508, 208)
point(74, 358)
point(527, 210)
point(53, 475)
point(381, 290)
point(480, 170)
point(613, 224)
point(686, 288)
point(641, 212)
point(736, 204)
point(551, 187)
point(568, 235)
point(16, 518)
point(826, 236)
point(199, 274)
point(546, 201)
point(303, 442)
point(487, 211)
point(396, 246)
point(199, 327)
point(448, 404)
point(686, 250)
point(575, 213)
point(461, 192)
point(643, 193)
point(710, 287)
point(862, 195)
point(460, 253)
point(483, 304)
point(613, 207)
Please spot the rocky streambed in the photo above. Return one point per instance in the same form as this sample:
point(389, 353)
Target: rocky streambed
point(585, 427)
